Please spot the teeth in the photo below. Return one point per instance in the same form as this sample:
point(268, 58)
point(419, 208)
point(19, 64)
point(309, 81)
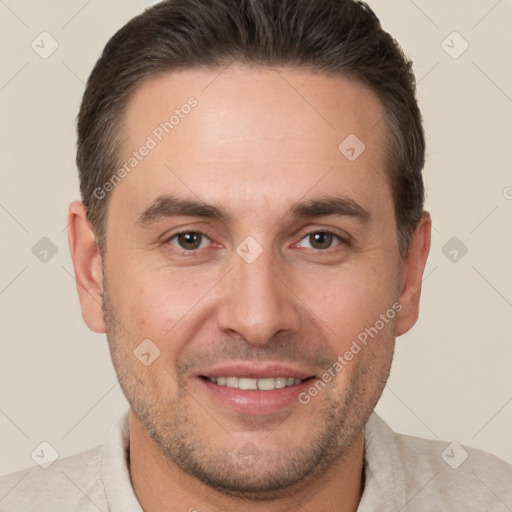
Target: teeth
point(245, 383)
point(266, 384)
point(232, 382)
point(280, 382)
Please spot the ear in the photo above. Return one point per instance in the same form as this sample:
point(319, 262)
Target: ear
point(412, 275)
point(87, 264)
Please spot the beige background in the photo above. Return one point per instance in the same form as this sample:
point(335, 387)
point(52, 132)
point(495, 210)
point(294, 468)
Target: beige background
point(451, 378)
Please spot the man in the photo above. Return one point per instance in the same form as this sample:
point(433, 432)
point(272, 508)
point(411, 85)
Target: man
point(252, 239)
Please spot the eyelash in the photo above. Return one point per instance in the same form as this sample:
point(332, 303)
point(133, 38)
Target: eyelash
point(198, 252)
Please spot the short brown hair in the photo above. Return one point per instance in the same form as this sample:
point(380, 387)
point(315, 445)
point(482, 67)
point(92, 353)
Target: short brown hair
point(334, 37)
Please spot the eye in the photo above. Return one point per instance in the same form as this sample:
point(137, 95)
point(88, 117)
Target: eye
point(189, 240)
point(320, 240)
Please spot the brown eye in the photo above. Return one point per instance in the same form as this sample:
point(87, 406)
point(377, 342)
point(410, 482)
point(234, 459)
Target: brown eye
point(320, 240)
point(188, 240)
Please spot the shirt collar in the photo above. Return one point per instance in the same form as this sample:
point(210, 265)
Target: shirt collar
point(115, 470)
point(384, 488)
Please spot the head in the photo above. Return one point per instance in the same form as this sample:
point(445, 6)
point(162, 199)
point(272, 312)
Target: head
point(251, 176)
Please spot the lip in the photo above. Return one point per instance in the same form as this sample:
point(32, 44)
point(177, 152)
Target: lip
point(254, 402)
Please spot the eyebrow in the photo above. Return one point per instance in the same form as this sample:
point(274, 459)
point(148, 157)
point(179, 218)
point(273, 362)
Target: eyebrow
point(173, 206)
point(342, 206)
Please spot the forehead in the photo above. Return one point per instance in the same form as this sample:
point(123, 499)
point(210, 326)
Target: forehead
point(272, 135)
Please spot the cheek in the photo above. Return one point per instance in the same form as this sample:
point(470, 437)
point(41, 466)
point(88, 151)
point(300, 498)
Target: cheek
point(350, 299)
point(159, 305)
point(361, 334)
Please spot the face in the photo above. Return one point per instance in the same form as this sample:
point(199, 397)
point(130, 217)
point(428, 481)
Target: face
point(253, 256)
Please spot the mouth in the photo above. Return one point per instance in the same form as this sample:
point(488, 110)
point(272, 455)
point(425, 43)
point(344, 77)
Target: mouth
point(255, 390)
point(255, 384)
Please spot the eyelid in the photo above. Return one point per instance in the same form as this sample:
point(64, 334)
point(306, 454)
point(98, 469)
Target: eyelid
point(181, 230)
point(312, 228)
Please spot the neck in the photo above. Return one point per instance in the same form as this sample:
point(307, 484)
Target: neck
point(162, 486)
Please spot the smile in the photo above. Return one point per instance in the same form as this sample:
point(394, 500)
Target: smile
point(245, 383)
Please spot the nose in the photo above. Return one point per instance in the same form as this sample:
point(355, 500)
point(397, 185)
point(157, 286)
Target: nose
point(258, 302)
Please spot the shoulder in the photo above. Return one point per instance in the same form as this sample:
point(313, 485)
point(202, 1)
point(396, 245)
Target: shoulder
point(72, 481)
point(453, 475)
point(432, 475)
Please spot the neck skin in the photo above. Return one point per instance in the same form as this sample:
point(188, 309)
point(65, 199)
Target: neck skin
point(164, 487)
